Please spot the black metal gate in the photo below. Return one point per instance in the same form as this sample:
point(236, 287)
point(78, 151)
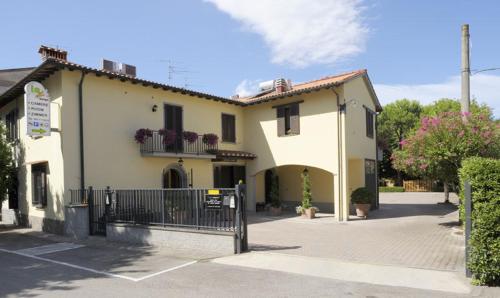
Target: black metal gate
point(97, 210)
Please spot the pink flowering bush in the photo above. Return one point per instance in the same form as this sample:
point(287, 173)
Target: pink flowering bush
point(438, 147)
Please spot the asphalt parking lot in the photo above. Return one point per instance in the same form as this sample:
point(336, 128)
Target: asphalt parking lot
point(34, 264)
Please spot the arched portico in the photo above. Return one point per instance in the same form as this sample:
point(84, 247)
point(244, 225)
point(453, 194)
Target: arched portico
point(290, 186)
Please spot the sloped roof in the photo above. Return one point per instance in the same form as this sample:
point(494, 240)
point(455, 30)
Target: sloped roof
point(19, 77)
point(9, 77)
point(315, 85)
point(51, 65)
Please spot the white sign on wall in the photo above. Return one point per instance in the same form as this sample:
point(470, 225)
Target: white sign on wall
point(37, 109)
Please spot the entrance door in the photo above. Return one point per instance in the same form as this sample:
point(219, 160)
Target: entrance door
point(371, 180)
point(172, 179)
point(173, 121)
point(228, 176)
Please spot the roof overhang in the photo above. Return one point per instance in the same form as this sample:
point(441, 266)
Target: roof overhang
point(50, 66)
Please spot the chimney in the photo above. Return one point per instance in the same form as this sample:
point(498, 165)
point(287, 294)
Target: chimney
point(48, 52)
point(281, 85)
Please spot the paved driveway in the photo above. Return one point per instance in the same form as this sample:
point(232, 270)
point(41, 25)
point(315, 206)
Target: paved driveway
point(409, 229)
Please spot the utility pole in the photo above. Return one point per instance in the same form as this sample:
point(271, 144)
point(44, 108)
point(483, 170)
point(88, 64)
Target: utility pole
point(465, 102)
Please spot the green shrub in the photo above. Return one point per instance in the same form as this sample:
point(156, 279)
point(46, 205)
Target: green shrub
point(306, 190)
point(391, 189)
point(362, 195)
point(274, 194)
point(484, 261)
point(484, 177)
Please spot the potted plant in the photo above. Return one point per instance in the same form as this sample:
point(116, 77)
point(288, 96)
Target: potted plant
point(307, 209)
point(274, 194)
point(142, 134)
point(362, 198)
point(190, 136)
point(210, 139)
point(169, 136)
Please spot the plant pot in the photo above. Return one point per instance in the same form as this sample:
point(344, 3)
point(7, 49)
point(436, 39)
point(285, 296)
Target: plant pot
point(309, 213)
point(362, 209)
point(275, 211)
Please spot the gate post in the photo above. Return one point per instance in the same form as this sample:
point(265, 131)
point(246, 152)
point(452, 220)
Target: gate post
point(241, 221)
point(90, 198)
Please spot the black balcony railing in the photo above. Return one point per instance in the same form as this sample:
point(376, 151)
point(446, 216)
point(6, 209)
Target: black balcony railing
point(158, 143)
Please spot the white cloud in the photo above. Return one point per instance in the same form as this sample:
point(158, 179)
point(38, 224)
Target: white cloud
point(247, 87)
point(303, 32)
point(485, 88)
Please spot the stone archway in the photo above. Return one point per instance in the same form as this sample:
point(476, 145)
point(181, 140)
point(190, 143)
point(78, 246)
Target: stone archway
point(174, 176)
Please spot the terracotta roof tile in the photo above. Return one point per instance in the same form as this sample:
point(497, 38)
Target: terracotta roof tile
point(307, 86)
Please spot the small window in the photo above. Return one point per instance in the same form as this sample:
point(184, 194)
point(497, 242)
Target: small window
point(228, 128)
point(11, 125)
point(369, 123)
point(288, 119)
point(39, 184)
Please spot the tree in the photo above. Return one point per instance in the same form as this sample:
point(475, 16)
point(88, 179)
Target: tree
point(395, 122)
point(306, 190)
point(6, 164)
point(436, 150)
point(452, 105)
point(274, 193)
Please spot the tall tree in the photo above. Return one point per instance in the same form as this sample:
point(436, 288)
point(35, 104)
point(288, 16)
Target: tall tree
point(6, 164)
point(437, 148)
point(395, 122)
point(453, 105)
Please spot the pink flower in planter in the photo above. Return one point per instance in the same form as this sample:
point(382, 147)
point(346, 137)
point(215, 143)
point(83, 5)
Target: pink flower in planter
point(461, 134)
point(169, 136)
point(142, 134)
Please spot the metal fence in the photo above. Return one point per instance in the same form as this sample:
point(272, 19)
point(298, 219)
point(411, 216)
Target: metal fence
point(156, 144)
point(187, 208)
point(184, 207)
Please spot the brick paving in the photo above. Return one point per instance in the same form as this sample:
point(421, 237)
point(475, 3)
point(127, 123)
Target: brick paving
point(409, 229)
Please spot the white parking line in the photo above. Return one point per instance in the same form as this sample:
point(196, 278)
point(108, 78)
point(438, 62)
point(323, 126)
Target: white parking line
point(50, 248)
point(93, 270)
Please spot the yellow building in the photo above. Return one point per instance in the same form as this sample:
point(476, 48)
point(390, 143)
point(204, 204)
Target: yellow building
point(326, 126)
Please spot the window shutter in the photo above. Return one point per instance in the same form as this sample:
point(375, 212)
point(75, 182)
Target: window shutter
point(369, 124)
point(294, 119)
point(280, 114)
point(232, 128)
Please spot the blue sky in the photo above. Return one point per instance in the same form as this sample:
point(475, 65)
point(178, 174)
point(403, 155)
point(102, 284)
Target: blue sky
point(410, 48)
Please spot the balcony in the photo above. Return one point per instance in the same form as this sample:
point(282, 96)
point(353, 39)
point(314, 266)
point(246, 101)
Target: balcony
point(160, 144)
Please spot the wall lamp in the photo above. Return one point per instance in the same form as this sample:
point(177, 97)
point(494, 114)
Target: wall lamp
point(343, 107)
point(155, 108)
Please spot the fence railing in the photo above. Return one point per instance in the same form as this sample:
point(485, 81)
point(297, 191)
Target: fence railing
point(78, 197)
point(157, 144)
point(418, 185)
point(184, 207)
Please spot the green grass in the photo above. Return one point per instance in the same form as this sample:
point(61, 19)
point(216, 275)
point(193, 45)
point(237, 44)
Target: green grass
point(391, 189)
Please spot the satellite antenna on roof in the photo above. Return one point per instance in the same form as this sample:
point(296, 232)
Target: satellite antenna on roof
point(174, 70)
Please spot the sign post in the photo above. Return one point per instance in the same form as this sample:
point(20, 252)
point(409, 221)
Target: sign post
point(37, 109)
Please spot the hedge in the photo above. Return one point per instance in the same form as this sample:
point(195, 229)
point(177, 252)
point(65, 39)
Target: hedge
point(391, 189)
point(484, 177)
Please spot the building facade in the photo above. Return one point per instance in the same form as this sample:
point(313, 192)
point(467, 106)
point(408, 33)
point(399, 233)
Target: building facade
point(112, 129)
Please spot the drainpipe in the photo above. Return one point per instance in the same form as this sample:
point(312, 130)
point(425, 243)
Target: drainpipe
point(340, 216)
point(80, 113)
